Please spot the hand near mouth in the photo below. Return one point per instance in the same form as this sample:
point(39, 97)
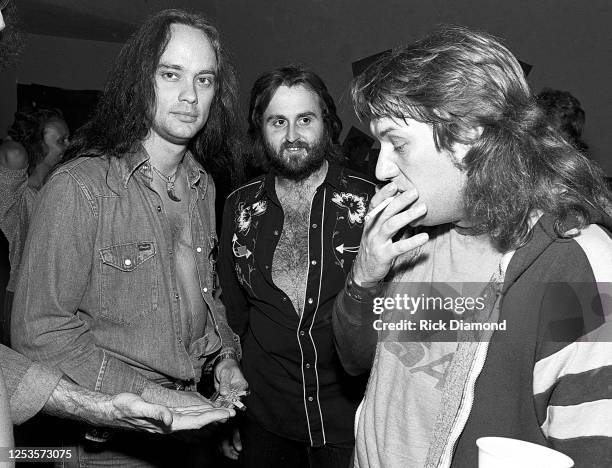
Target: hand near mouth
point(390, 211)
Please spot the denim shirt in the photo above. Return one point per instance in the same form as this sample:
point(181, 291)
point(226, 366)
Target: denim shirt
point(97, 292)
point(29, 384)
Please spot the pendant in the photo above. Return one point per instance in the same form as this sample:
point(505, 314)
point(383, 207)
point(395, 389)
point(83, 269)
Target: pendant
point(170, 191)
point(169, 180)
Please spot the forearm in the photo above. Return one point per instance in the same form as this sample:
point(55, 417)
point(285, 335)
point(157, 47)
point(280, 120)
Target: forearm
point(29, 384)
point(354, 335)
point(74, 402)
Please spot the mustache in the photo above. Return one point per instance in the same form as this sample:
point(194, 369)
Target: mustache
point(296, 144)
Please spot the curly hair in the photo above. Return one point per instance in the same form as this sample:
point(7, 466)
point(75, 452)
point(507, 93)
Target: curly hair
point(565, 113)
point(458, 80)
point(28, 128)
point(263, 91)
point(125, 112)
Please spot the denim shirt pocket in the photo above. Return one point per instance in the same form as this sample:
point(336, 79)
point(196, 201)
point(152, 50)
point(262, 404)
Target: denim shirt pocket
point(128, 289)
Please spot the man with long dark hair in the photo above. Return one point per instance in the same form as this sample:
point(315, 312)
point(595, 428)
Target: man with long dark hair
point(288, 239)
point(493, 234)
point(118, 287)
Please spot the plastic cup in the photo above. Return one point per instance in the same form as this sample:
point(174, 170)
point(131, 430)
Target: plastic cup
point(502, 452)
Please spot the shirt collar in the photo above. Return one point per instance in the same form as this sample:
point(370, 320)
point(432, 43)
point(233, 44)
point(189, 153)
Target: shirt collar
point(130, 162)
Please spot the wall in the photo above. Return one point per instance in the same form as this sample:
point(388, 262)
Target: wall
point(568, 42)
point(56, 61)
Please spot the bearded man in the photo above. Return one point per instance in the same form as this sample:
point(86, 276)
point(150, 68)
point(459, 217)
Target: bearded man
point(288, 241)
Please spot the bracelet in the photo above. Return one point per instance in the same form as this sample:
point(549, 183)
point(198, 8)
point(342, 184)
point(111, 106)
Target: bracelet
point(229, 354)
point(361, 293)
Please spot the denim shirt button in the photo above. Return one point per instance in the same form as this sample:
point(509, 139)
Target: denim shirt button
point(127, 262)
point(205, 290)
point(199, 249)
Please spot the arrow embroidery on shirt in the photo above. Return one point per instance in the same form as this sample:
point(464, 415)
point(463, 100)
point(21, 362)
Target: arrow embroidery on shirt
point(341, 248)
point(239, 250)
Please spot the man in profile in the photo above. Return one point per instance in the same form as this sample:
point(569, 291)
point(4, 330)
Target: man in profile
point(118, 287)
point(502, 209)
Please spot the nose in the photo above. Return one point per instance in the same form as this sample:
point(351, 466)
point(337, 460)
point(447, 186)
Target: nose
point(386, 168)
point(189, 93)
point(292, 133)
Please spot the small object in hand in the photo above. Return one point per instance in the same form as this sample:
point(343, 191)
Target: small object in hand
point(381, 206)
point(231, 400)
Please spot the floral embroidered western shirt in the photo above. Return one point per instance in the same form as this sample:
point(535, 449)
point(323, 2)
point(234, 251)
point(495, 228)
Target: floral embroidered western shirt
point(299, 389)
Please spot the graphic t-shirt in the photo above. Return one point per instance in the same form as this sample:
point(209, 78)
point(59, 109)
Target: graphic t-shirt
point(402, 401)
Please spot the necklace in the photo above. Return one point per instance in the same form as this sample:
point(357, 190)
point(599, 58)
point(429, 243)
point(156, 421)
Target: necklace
point(169, 180)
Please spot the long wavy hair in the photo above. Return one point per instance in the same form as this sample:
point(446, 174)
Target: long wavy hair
point(262, 93)
point(564, 113)
point(125, 112)
point(28, 128)
point(458, 80)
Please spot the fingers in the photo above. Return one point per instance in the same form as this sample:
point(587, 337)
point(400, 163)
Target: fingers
point(406, 245)
point(191, 409)
point(216, 415)
point(196, 420)
point(383, 193)
point(395, 223)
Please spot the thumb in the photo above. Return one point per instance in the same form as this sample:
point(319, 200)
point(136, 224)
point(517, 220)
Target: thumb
point(159, 413)
point(165, 416)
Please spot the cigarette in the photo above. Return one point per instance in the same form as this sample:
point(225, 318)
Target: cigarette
point(383, 204)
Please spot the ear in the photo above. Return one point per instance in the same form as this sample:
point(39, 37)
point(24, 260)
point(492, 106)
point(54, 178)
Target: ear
point(472, 135)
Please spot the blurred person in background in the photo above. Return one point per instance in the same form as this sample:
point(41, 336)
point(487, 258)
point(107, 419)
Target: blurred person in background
point(35, 144)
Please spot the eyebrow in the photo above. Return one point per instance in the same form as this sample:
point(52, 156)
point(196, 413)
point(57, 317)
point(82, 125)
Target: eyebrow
point(181, 68)
point(385, 131)
point(299, 116)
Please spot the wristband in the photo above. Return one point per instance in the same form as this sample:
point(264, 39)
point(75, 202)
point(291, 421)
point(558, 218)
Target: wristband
point(361, 293)
point(229, 354)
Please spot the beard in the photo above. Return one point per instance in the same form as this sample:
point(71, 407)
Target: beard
point(296, 166)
